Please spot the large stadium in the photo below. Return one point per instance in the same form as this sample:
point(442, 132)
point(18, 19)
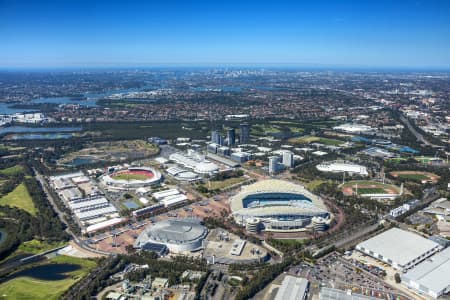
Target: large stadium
point(178, 235)
point(132, 177)
point(279, 206)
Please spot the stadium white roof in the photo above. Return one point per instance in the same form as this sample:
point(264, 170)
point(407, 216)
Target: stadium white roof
point(401, 246)
point(273, 186)
point(431, 273)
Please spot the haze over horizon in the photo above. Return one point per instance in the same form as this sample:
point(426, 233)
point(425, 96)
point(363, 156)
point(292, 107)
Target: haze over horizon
point(377, 34)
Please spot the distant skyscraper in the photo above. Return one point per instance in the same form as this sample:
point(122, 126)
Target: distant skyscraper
point(231, 136)
point(215, 137)
point(221, 140)
point(288, 159)
point(245, 133)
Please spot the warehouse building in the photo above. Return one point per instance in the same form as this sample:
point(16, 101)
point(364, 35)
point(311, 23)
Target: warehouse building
point(431, 277)
point(293, 288)
point(399, 248)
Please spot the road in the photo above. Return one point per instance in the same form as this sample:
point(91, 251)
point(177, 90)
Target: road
point(80, 243)
point(418, 136)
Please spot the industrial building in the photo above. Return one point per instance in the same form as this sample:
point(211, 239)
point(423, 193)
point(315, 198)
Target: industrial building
point(170, 198)
point(178, 235)
point(293, 288)
point(399, 248)
point(341, 167)
point(432, 276)
point(354, 128)
point(279, 206)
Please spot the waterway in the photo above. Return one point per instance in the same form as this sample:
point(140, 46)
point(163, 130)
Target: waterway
point(25, 129)
point(47, 272)
point(41, 136)
point(3, 235)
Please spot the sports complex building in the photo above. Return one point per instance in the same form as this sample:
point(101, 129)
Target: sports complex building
point(178, 235)
point(131, 178)
point(341, 167)
point(399, 248)
point(195, 162)
point(279, 206)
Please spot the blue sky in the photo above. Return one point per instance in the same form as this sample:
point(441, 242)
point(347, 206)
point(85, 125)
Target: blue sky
point(343, 33)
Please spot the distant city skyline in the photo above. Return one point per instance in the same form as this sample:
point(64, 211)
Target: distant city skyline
point(310, 34)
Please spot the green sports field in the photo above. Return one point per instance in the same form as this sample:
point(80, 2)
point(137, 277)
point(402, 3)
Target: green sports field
point(369, 187)
point(364, 191)
point(129, 176)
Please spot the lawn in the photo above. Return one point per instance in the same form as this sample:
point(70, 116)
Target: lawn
point(315, 139)
point(312, 185)
point(19, 198)
point(416, 177)
point(266, 129)
point(128, 176)
point(12, 170)
point(36, 246)
point(214, 185)
point(24, 287)
point(364, 191)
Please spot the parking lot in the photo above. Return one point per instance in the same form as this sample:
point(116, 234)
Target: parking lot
point(334, 272)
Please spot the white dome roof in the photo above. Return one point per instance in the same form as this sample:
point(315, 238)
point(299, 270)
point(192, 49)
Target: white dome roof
point(206, 167)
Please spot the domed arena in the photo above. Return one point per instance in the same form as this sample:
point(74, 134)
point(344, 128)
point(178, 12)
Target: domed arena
point(178, 235)
point(280, 206)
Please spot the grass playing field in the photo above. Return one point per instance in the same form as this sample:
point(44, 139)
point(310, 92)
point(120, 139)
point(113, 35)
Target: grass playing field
point(19, 198)
point(418, 177)
point(24, 287)
point(364, 191)
point(129, 176)
point(369, 187)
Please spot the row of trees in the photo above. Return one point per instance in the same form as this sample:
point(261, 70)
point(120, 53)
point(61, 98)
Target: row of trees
point(20, 225)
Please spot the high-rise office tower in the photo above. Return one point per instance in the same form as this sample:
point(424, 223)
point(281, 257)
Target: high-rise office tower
point(288, 159)
point(274, 162)
point(215, 137)
point(231, 136)
point(245, 133)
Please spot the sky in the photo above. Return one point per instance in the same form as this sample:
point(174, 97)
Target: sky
point(342, 33)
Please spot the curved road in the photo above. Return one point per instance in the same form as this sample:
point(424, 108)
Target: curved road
point(61, 215)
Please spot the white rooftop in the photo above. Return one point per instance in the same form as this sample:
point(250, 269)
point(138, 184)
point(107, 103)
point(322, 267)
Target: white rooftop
point(430, 273)
point(399, 245)
point(292, 288)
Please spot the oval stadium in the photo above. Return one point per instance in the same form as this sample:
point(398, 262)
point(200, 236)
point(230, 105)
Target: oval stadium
point(132, 177)
point(280, 206)
point(178, 235)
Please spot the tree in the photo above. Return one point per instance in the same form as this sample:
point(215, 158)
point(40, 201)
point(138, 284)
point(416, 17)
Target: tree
point(397, 278)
